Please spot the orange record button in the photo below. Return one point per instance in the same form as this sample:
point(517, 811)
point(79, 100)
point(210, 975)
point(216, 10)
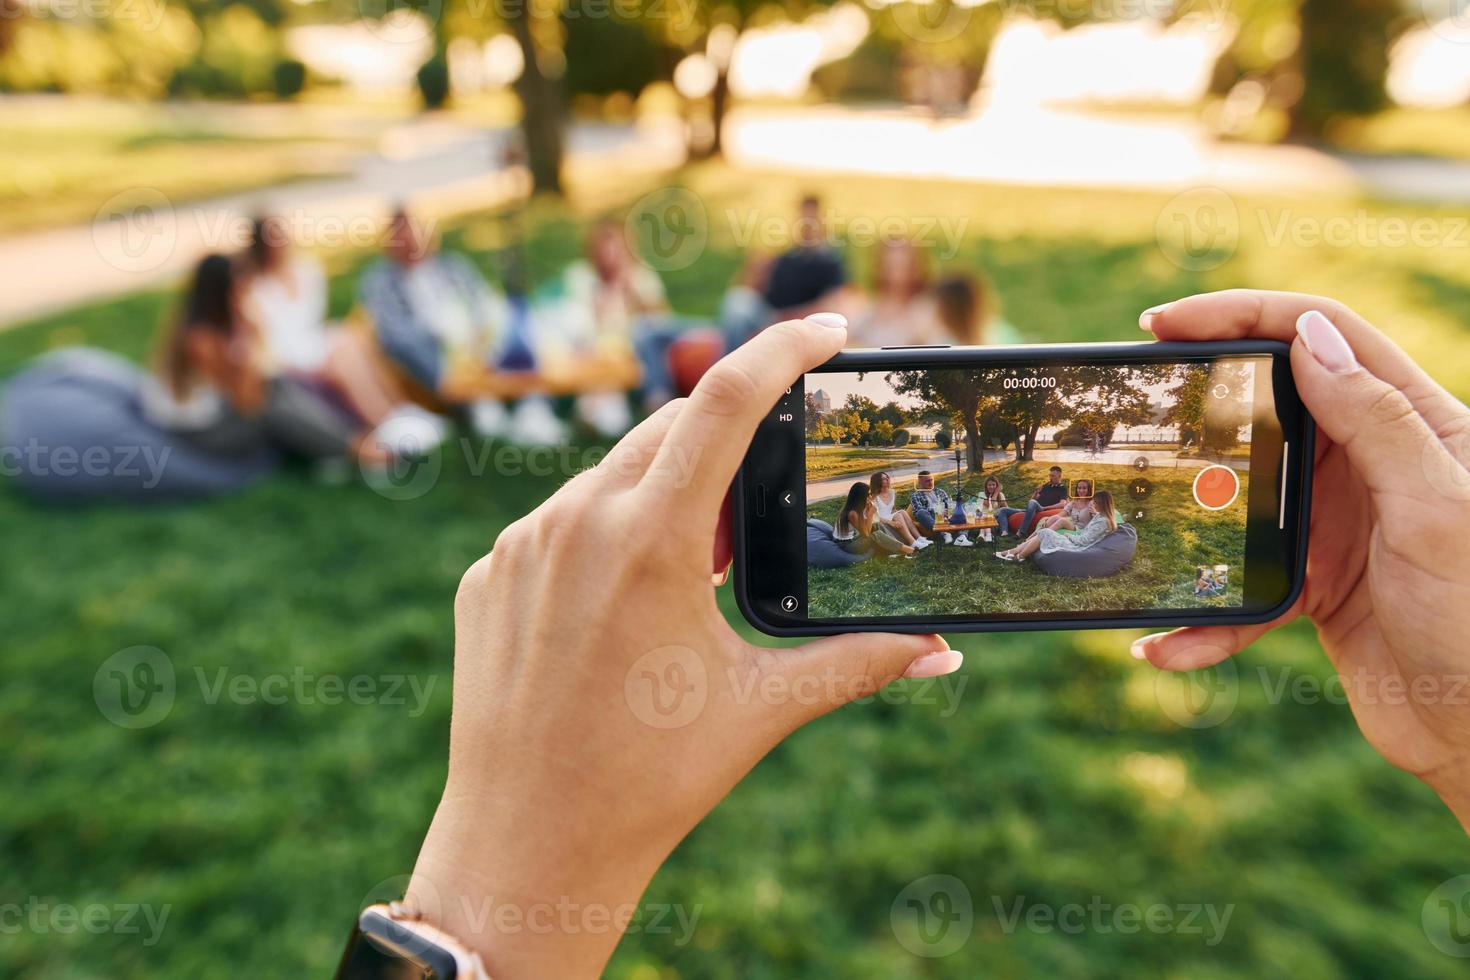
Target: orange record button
point(1216, 487)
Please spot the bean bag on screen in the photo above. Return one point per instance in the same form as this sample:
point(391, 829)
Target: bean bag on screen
point(72, 430)
point(822, 551)
point(1106, 557)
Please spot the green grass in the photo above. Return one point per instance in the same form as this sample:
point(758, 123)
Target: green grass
point(826, 462)
point(1174, 537)
point(67, 163)
point(1060, 772)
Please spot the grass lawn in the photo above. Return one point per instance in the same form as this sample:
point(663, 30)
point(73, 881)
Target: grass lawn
point(826, 462)
point(1175, 536)
point(1053, 770)
point(65, 163)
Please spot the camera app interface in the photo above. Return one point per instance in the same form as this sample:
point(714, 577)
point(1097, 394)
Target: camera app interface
point(1022, 490)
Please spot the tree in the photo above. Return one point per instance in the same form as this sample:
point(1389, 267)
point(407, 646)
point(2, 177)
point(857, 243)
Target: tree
point(943, 439)
point(947, 393)
point(542, 113)
point(1211, 404)
point(854, 427)
point(882, 433)
point(812, 415)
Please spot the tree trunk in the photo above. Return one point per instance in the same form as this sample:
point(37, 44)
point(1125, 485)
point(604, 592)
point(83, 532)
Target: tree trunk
point(718, 105)
point(1031, 443)
point(975, 450)
point(541, 109)
point(1016, 434)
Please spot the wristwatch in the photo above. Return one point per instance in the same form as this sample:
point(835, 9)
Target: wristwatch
point(390, 942)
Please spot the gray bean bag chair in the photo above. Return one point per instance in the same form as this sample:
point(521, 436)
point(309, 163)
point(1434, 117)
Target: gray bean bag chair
point(71, 430)
point(1106, 557)
point(823, 552)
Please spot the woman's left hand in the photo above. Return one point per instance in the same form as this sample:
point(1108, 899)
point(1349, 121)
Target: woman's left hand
point(602, 704)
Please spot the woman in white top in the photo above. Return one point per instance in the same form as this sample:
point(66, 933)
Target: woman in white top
point(285, 295)
point(208, 387)
point(1076, 513)
point(880, 488)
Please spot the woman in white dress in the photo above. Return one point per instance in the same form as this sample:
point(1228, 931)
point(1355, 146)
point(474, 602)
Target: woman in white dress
point(1104, 521)
point(899, 521)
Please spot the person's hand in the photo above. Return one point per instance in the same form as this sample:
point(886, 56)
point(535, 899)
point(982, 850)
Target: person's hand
point(602, 704)
point(1388, 568)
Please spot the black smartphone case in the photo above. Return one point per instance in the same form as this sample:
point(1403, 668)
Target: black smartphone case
point(895, 357)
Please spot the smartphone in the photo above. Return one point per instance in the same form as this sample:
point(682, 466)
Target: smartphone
point(1146, 485)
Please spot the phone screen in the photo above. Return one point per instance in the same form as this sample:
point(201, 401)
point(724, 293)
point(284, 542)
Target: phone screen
point(1037, 492)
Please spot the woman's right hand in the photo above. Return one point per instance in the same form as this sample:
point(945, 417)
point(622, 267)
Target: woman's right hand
point(1388, 568)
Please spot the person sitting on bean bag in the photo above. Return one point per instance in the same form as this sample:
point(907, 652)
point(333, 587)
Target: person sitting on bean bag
point(1049, 540)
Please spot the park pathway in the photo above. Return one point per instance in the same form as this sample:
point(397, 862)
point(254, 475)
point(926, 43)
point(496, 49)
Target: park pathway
point(445, 168)
point(1075, 461)
point(453, 168)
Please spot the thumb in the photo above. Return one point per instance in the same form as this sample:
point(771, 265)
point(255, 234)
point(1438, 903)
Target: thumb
point(1389, 444)
point(828, 673)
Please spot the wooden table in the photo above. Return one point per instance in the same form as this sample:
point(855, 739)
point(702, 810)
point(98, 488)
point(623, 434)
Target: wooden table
point(572, 376)
point(982, 525)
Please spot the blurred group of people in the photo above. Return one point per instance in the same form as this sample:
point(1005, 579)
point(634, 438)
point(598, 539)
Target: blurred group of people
point(252, 359)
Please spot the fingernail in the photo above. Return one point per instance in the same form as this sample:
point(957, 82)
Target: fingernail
point(834, 321)
point(1326, 343)
point(1145, 319)
point(935, 664)
point(1140, 646)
